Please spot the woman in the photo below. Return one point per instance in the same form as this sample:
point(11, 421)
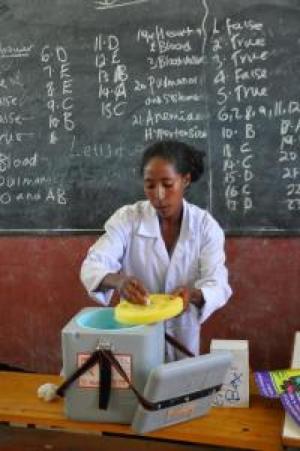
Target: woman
point(163, 245)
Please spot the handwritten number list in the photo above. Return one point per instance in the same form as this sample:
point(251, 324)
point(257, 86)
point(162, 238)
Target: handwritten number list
point(79, 102)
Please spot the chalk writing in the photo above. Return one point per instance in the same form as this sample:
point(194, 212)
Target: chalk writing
point(84, 90)
point(112, 76)
point(108, 4)
point(59, 98)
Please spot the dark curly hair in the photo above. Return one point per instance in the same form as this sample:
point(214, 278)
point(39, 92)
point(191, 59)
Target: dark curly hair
point(185, 158)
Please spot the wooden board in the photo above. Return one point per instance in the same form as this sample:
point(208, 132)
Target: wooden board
point(257, 428)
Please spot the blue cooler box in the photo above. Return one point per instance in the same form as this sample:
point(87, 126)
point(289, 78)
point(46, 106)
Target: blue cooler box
point(139, 349)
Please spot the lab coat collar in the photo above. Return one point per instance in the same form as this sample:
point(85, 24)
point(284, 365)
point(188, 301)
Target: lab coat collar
point(187, 226)
point(149, 224)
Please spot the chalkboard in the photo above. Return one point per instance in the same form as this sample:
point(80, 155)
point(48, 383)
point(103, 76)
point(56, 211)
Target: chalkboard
point(254, 110)
point(85, 85)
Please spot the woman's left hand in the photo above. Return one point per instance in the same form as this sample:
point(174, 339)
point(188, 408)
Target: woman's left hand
point(189, 295)
point(184, 293)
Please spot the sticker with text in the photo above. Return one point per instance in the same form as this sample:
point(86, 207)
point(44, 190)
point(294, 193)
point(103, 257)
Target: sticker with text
point(90, 379)
point(182, 411)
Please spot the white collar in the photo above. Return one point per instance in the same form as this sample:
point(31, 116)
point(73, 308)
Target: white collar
point(149, 224)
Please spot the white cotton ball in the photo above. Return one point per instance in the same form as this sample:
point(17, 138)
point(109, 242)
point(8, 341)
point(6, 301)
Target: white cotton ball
point(47, 392)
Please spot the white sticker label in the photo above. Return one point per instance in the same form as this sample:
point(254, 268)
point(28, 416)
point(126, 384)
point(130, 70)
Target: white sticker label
point(90, 379)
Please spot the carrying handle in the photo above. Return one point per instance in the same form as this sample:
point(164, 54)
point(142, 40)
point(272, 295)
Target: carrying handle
point(105, 360)
point(174, 342)
point(105, 377)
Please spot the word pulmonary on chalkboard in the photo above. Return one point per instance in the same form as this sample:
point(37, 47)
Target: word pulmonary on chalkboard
point(85, 85)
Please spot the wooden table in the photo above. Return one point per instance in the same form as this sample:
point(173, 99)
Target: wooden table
point(257, 428)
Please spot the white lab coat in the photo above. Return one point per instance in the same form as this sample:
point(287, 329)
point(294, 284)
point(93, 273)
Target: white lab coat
point(132, 242)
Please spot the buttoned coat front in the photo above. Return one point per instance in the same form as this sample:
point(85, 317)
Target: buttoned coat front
point(132, 243)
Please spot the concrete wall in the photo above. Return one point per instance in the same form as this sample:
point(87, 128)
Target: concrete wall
point(40, 291)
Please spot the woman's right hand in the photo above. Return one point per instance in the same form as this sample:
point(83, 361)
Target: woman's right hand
point(133, 290)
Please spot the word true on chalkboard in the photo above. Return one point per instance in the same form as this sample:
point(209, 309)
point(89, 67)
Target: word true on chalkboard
point(85, 85)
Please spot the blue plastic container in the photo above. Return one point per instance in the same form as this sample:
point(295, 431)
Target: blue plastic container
point(101, 319)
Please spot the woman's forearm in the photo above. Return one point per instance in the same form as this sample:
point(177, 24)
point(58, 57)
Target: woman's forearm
point(111, 281)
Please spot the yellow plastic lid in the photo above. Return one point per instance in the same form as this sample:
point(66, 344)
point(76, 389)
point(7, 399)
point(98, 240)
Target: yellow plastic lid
point(160, 308)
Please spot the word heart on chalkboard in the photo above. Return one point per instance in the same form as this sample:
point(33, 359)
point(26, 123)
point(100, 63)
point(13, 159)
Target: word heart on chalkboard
point(85, 85)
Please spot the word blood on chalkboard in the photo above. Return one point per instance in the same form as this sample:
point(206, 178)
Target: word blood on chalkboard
point(85, 85)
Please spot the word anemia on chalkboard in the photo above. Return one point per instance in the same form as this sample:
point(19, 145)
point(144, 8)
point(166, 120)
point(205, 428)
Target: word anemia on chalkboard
point(85, 85)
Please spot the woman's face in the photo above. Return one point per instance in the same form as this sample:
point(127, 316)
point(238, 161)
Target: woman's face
point(164, 187)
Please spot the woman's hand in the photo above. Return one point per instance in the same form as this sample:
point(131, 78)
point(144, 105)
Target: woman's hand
point(133, 290)
point(129, 287)
point(189, 295)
